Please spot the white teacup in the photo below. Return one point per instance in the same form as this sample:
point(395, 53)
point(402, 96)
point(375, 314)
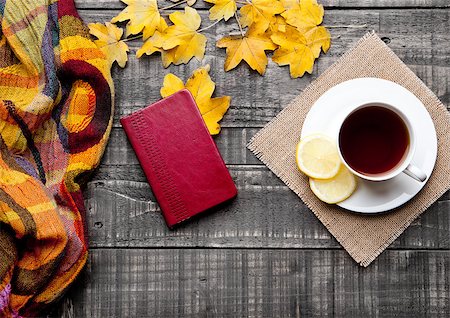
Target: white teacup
point(403, 164)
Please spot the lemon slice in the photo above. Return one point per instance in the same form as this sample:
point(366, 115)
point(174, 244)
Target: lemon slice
point(336, 189)
point(317, 157)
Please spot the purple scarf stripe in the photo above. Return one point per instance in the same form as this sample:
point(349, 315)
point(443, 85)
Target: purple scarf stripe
point(4, 296)
point(4, 300)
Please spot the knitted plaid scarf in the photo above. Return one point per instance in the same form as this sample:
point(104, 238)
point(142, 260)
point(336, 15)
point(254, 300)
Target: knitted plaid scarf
point(55, 118)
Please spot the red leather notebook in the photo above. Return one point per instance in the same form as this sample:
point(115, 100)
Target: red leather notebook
point(179, 157)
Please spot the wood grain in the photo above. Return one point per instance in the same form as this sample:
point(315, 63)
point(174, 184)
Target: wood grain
point(111, 4)
point(265, 254)
point(256, 99)
point(123, 212)
point(259, 283)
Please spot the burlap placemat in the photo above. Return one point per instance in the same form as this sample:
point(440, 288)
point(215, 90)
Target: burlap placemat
point(364, 237)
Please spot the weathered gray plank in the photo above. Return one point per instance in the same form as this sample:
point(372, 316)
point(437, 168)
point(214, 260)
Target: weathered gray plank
point(256, 101)
point(231, 143)
point(260, 283)
point(122, 212)
point(419, 37)
point(110, 4)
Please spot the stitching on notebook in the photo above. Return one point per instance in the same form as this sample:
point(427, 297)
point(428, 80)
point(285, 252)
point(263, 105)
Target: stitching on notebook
point(155, 157)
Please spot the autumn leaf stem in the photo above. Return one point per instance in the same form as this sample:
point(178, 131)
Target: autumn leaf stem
point(124, 40)
point(132, 38)
point(209, 26)
point(239, 23)
point(174, 5)
point(350, 26)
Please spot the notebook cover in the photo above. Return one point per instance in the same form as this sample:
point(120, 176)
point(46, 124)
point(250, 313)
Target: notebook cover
point(179, 157)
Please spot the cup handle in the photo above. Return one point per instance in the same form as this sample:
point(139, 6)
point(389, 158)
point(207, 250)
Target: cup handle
point(415, 173)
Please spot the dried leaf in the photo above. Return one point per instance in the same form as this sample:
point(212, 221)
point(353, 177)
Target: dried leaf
point(260, 13)
point(250, 48)
point(151, 45)
point(293, 51)
point(171, 85)
point(222, 9)
point(154, 43)
point(109, 42)
point(143, 16)
point(287, 4)
point(201, 87)
point(318, 39)
point(168, 57)
point(182, 38)
point(305, 15)
point(191, 2)
point(277, 24)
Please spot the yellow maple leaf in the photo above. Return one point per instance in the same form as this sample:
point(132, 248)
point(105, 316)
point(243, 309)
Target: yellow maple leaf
point(222, 9)
point(277, 24)
point(151, 45)
point(143, 16)
point(109, 42)
point(201, 87)
point(182, 38)
point(318, 39)
point(287, 4)
point(251, 48)
point(171, 85)
point(260, 12)
point(293, 51)
point(304, 15)
point(154, 43)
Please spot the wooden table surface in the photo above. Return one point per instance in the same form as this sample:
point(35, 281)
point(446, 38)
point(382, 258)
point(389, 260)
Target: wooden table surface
point(265, 255)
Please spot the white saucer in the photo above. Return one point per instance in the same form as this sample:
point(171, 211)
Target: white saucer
point(374, 197)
